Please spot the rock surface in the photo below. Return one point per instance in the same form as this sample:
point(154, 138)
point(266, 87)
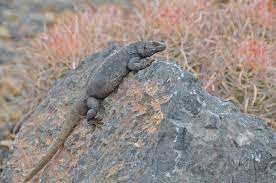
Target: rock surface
point(158, 126)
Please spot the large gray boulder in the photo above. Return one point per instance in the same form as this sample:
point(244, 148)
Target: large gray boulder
point(158, 126)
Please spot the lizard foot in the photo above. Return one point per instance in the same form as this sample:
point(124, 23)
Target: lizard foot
point(93, 106)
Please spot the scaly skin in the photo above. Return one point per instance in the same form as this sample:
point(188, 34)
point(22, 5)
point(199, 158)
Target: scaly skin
point(100, 84)
point(71, 119)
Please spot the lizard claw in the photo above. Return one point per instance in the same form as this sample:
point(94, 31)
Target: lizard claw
point(95, 122)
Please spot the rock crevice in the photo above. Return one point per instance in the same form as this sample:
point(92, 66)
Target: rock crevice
point(158, 126)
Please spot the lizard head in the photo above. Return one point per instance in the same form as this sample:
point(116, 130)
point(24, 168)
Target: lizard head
point(148, 48)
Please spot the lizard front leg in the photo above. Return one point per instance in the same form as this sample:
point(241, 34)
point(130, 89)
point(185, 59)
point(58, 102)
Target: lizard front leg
point(137, 63)
point(93, 108)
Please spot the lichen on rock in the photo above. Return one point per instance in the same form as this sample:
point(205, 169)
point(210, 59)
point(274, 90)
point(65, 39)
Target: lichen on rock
point(158, 126)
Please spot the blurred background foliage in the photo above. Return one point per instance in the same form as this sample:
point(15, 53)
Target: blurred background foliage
point(229, 45)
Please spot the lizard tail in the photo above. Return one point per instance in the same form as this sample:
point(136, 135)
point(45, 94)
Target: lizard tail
point(51, 152)
point(70, 121)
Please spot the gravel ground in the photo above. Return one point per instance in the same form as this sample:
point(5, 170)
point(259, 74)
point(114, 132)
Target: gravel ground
point(23, 19)
point(20, 20)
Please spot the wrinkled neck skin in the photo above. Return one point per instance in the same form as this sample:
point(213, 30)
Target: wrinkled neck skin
point(132, 50)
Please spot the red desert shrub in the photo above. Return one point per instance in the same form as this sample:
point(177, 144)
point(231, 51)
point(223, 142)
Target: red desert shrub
point(229, 45)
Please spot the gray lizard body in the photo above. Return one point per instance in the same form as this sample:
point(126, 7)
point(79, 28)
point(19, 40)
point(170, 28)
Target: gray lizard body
point(100, 84)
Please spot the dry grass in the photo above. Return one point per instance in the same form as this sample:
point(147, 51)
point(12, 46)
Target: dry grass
point(229, 45)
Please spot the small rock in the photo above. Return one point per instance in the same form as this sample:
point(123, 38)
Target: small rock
point(6, 143)
point(4, 33)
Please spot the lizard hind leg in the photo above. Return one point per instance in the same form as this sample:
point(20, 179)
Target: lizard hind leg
point(93, 108)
